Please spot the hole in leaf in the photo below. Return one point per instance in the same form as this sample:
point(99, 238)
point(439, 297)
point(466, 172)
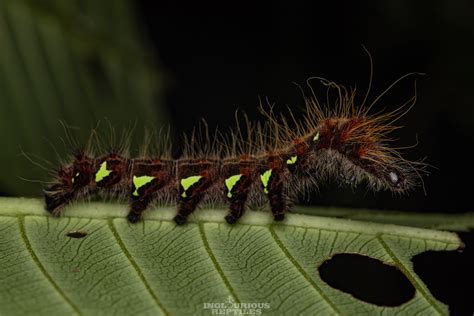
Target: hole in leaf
point(76, 234)
point(367, 279)
point(446, 273)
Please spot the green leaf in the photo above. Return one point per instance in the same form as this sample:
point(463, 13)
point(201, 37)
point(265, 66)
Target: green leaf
point(453, 221)
point(156, 267)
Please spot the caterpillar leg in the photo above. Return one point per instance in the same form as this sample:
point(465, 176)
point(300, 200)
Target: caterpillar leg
point(136, 209)
point(149, 177)
point(192, 189)
point(273, 187)
point(236, 210)
point(238, 188)
point(186, 206)
point(278, 206)
point(142, 194)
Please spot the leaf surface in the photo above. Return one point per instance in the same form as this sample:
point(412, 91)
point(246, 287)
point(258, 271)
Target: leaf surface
point(155, 267)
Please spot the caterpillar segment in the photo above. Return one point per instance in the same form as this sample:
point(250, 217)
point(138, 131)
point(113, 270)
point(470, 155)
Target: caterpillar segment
point(149, 177)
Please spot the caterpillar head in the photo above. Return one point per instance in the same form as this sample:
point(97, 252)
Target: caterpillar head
point(356, 149)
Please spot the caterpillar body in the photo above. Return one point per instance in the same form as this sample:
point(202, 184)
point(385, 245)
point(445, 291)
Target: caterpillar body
point(273, 162)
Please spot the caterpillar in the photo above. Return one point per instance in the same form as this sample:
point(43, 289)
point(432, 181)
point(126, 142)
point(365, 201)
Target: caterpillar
point(272, 162)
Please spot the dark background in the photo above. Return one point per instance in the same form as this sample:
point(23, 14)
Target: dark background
point(222, 57)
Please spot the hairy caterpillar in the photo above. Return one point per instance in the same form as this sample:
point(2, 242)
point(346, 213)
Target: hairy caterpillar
point(273, 162)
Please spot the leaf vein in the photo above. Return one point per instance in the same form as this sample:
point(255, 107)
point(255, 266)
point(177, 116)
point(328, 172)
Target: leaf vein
point(407, 273)
point(21, 223)
point(301, 270)
point(135, 265)
point(208, 249)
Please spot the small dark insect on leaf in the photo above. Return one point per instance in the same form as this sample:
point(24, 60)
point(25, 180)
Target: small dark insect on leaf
point(76, 234)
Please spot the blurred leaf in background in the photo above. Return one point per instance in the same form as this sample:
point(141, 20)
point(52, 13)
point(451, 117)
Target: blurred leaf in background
point(74, 61)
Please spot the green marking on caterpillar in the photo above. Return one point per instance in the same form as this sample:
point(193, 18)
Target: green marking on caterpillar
point(230, 183)
point(187, 182)
point(292, 160)
point(138, 182)
point(72, 180)
point(316, 137)
point(265, 177)
point(102, 173)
